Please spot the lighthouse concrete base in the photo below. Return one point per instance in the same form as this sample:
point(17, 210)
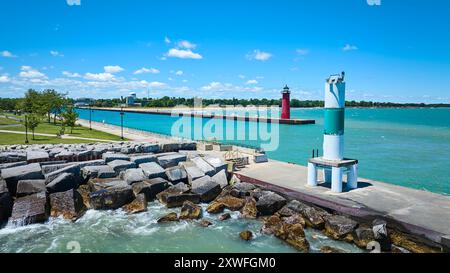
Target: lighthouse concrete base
point(334, 171)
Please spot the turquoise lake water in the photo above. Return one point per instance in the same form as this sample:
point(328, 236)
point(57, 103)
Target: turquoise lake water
point(408, 147)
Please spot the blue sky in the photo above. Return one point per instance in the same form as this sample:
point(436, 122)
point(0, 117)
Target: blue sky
point(397, 51)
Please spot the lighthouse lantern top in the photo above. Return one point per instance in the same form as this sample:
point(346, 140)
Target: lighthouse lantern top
point(286, 90)
point(336, 78)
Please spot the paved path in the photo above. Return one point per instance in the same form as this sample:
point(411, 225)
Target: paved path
point(419, 212)
point(54, 135)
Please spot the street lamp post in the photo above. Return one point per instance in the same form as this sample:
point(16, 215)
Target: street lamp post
point(90, 117)
point(121, 122)
point(26, 129)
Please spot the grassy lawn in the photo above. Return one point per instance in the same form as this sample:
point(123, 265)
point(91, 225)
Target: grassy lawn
point(9, 139)
point(46, 128)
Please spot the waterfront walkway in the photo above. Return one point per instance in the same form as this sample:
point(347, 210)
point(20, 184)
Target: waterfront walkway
point(53, 135)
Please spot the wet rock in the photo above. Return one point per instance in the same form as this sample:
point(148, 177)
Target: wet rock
point(112, 197)
point(139, 204)
point(221, 178)
point(176, 196)
point(273, 225)
point(84, 191)
point(362, 236)
point(37, 155)
point(205, 223)
point(409, 243)
point(108, 157)
point(141, 159)
point(71, 169)
point(6, 202)
point(216, 163)
point(132, 176)
point(231, 203)
point(26, 172)
point(30, 209)
point(68, 204)
point(285, 212)
point(171, 160)
point(329, 249)
point(64, 182)
point(314, 217)
point(294, 219)
point(269, 203)
point(293, 234)
point(380, 232)
point(249, 210)
point(153, 170)
point(171, 217)
point(215, 207)
point(103, 171)
point(204, 166)
point(206, 188)
point(150, 188)
point(28, 187)
point(243, 189)
point(176, 175)
point(121, 165)
point(246, 235)
point(338, 227)
point(224, 216)
point(101, 184)
point(190, 211)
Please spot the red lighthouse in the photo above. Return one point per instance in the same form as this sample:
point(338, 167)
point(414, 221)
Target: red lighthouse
point(285, 103)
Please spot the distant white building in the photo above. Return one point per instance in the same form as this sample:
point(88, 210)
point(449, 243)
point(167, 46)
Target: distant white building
point(131, 99)
point(83, 102)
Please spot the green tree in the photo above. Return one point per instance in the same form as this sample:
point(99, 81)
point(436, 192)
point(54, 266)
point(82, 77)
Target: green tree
point(32, 122)
point(69, 117)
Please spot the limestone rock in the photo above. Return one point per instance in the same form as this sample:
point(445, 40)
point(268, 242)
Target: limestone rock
point(75, 170)
point(217, 163)
point(103, 171)
point(108, 157)
point(176, 175)
point(292, 234)
point(28, 187)
point(314, 217)
point(153, 170)
point(246, 235)
point(249, 210)
point(121, 165)
point(132, 176)
point(338, 227)
point(64, 182)
point(205, 223)
point(175, 197)
point(231, 203)
point(190, 211)
point(139, 204)
point(193, 172)
point(204, 166)
point(68, 204)
point(150, 188)
point(141, 159)
point(171, 160)
point(221, 178)
point(26, 172)
point(111, 197)
point(243, 189)
point(269, 203)
point(171, 217)
point(215, 207)
point(30, 209)
point(224, 216)
point(329, 249)
point(6, 202)
point(37, 155)
point(84, 191)
point(206, 188)
point(294, 219)
point(362, 236)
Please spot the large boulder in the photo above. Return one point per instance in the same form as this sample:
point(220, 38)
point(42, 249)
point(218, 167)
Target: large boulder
point(193, 172)
point(153, 170)
point(103, 171)
point(206, 188)
point(28, 187)
point(25, 172)
point(30, 209)
point(112, 197)
point(231, 202)
point(139, 204)
point(6, 202)
point(246, 235)
point(249, 210)
point(68, 204)
point(64, 182)
point(171, 160)
point(72, 169)
point(339, 227)
point(221, 178)
point(190, 211)
point(150, 148)
point(269, 203)
point(39, 155)
point(363, 236)
point(176, 195)
point(204, 166)
point(46, 169)
point(243, 189)
point(380, 232)
point(11, 165)
point(293, 234)
point(314, 217)
point(215, 207)
point(85, 191)
point(217, 163)
point(170, 217)
point(140, 159)
point(101, 184)
point(150, 188)
point(121, 165)
point(132, 176)
point(176, 175)
point(108, 157)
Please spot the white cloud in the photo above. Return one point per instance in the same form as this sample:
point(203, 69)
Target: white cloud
point(167, 40)
point(56, 53)
point(241, 76)
point(100, 77)
point(113, 69)
point(259, 55)
point(228, 87)
point(146, 70)
point(4, 79)
point(29, 72)
point(179, 73)
point(349, 47)
point(7, 54)
point(73, 2)
point(186, 44)
point(71, 75)
point(183, 54)
point(302, 51)
point(252, 82)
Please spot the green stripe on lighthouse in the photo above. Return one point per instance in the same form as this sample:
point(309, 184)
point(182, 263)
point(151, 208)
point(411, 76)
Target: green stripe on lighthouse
point(334, 121)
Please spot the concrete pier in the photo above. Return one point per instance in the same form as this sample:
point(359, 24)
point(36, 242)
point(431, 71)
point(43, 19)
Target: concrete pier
point(205, 115)
point(419, 213)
